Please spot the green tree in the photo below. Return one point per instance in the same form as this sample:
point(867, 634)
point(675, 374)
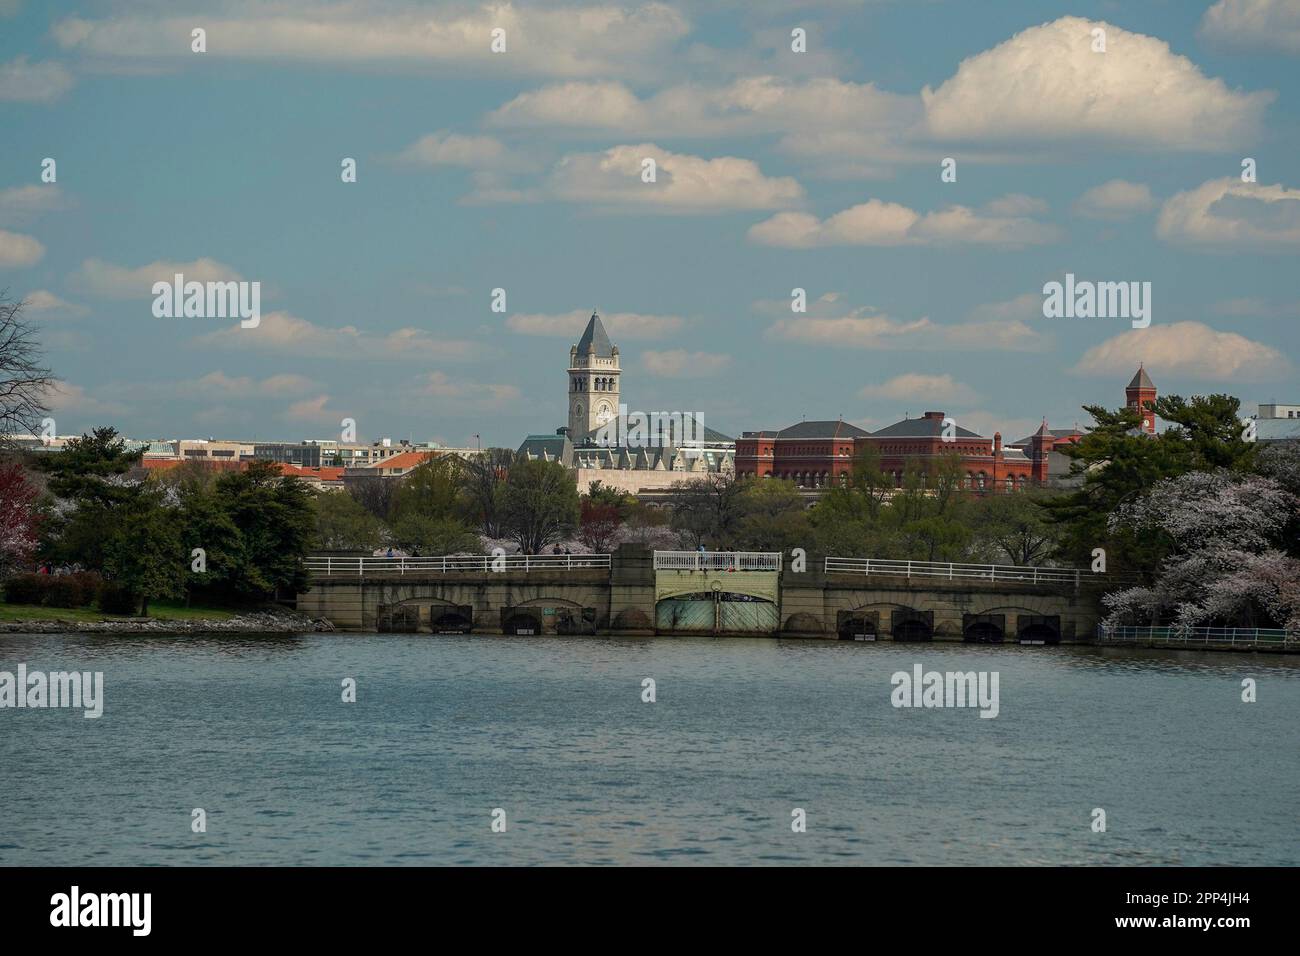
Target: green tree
point(540, 504)
point(277, 523)
point(706, 510)
point(432, 535)
point(432, 489)
point(343, 523)
point(773, 517)
point(1013, 528)
point(145, 555)
point(1114, 462)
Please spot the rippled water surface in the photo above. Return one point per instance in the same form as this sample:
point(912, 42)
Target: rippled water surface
point(554, 731)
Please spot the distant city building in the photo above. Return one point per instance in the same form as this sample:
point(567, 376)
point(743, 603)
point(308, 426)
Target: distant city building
point(305, 454)
point(1277, 423)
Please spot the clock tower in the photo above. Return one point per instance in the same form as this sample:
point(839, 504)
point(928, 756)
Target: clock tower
point(593, 381)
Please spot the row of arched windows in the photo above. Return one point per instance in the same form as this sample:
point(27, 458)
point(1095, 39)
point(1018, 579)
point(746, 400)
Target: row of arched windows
point(974, 479)
point(602, 384)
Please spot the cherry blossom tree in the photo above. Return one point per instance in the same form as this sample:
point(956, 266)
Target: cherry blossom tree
point(19, 518)
point(1227, 565)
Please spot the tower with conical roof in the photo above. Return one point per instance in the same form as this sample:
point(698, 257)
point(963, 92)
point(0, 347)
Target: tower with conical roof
point(1140, 391)
point(593, 381)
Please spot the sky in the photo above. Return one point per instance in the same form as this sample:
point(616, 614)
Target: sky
point(522, 170)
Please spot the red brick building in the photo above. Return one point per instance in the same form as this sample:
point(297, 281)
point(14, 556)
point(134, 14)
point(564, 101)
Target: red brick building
point(812, 454)
point(818, 454)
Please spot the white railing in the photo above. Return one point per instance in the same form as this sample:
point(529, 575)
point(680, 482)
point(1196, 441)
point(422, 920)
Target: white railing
point(717, 560)
point(930, 569)
point(450, 564)
point(1192, 636)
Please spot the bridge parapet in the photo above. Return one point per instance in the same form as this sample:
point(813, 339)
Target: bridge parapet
point(1005, 573)
point(452, 564)
point(717, 560)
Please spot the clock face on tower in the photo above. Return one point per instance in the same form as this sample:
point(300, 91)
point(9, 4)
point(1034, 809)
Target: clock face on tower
point(603, 413)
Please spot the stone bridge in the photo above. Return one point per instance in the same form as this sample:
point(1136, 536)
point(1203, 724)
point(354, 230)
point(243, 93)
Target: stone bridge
point(636, 591)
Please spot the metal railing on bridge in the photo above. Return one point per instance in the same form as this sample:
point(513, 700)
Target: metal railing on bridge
point(717, 560)
point(1176, 636)
point(930, 569)
point(451, 564)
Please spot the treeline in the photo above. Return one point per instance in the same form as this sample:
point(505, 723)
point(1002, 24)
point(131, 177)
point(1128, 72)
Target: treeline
point(226, 538)
point(449, 505)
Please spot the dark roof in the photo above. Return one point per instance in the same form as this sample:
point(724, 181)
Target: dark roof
point(832, 429)
point(1141, 379)
point(595, 338)
point(920, 428)
point(557, 446)
point(1054, 432)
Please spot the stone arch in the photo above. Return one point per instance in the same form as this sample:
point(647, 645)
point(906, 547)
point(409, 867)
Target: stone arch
point(910, 625)
point(983, 628)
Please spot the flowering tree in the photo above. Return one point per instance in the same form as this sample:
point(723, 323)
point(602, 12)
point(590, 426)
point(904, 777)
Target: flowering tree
point(19, 518)
point(1226, 565)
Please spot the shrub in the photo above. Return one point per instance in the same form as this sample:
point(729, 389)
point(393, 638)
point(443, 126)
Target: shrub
point(72, 590)
point(116, 599)
point(25, 589)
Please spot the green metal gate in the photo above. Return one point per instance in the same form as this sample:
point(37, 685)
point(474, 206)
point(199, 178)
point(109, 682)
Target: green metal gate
point(710, 614)
point(747, 616)
point(678, 614)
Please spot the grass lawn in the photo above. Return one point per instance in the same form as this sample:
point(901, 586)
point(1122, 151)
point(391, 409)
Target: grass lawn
point(157, 611)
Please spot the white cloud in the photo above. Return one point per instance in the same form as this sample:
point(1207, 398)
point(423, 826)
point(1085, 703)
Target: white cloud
point(62, 396)
point(1190, 349)
point(878, 223)
point(17, 250)
point(21, 204)
point(45, 304)
point(919, 386)
point(679, 363)
point(244, 386)
point(1230, 212)
point(314, 411)
point(1026, 306)
point(683, 184)
point(97, 277)
point(282, 332)
point(570, 325)
point(24, 82)
point(453, 394)
point(1253, 25)
point(567, 41)
point(1115, 200)
point(755, 104)
point(1046, 84)
point(444, 148)
point(828, 323)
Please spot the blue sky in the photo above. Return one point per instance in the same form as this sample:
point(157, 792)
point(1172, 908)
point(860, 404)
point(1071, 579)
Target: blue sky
point(521, 170)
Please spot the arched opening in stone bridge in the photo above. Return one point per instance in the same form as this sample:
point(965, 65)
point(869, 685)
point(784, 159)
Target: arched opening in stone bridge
point(983, 628)
point(913, 626)
point(1039, 629)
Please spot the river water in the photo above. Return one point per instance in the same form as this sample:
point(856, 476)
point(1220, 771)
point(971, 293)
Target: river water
point(554, 732)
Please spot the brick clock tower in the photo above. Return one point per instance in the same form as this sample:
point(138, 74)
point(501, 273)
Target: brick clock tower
point(593, 381)
point(1140, 391)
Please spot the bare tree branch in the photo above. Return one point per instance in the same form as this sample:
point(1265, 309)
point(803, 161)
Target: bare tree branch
point(24, 381)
